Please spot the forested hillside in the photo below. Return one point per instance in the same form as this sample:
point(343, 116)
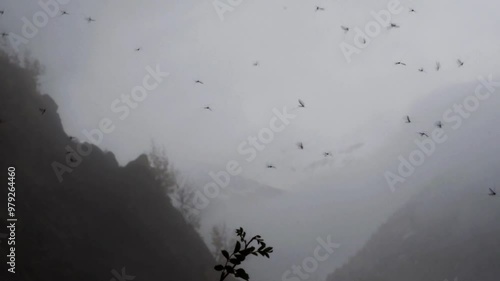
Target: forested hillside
point(447, 231)
point(101, 219)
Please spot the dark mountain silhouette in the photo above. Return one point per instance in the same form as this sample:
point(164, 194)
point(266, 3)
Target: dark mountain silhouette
point(100, 218)
point(449, 230)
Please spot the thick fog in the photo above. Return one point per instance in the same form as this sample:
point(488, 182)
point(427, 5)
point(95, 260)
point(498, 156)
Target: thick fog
point(233, 72)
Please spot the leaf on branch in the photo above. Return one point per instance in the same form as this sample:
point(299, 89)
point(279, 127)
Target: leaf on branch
point(241, 273)
point(237, 247)
point(240, 257)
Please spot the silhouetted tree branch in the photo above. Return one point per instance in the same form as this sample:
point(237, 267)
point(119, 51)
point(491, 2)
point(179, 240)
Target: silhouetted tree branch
point(240, 253)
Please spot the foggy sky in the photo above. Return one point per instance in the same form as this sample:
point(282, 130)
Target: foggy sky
point(90, 65)
point(353, 110)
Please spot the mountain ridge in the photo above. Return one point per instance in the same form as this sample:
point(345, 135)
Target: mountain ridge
point(101, 219)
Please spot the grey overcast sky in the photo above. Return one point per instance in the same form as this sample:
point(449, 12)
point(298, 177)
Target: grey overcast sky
point(350, 107)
